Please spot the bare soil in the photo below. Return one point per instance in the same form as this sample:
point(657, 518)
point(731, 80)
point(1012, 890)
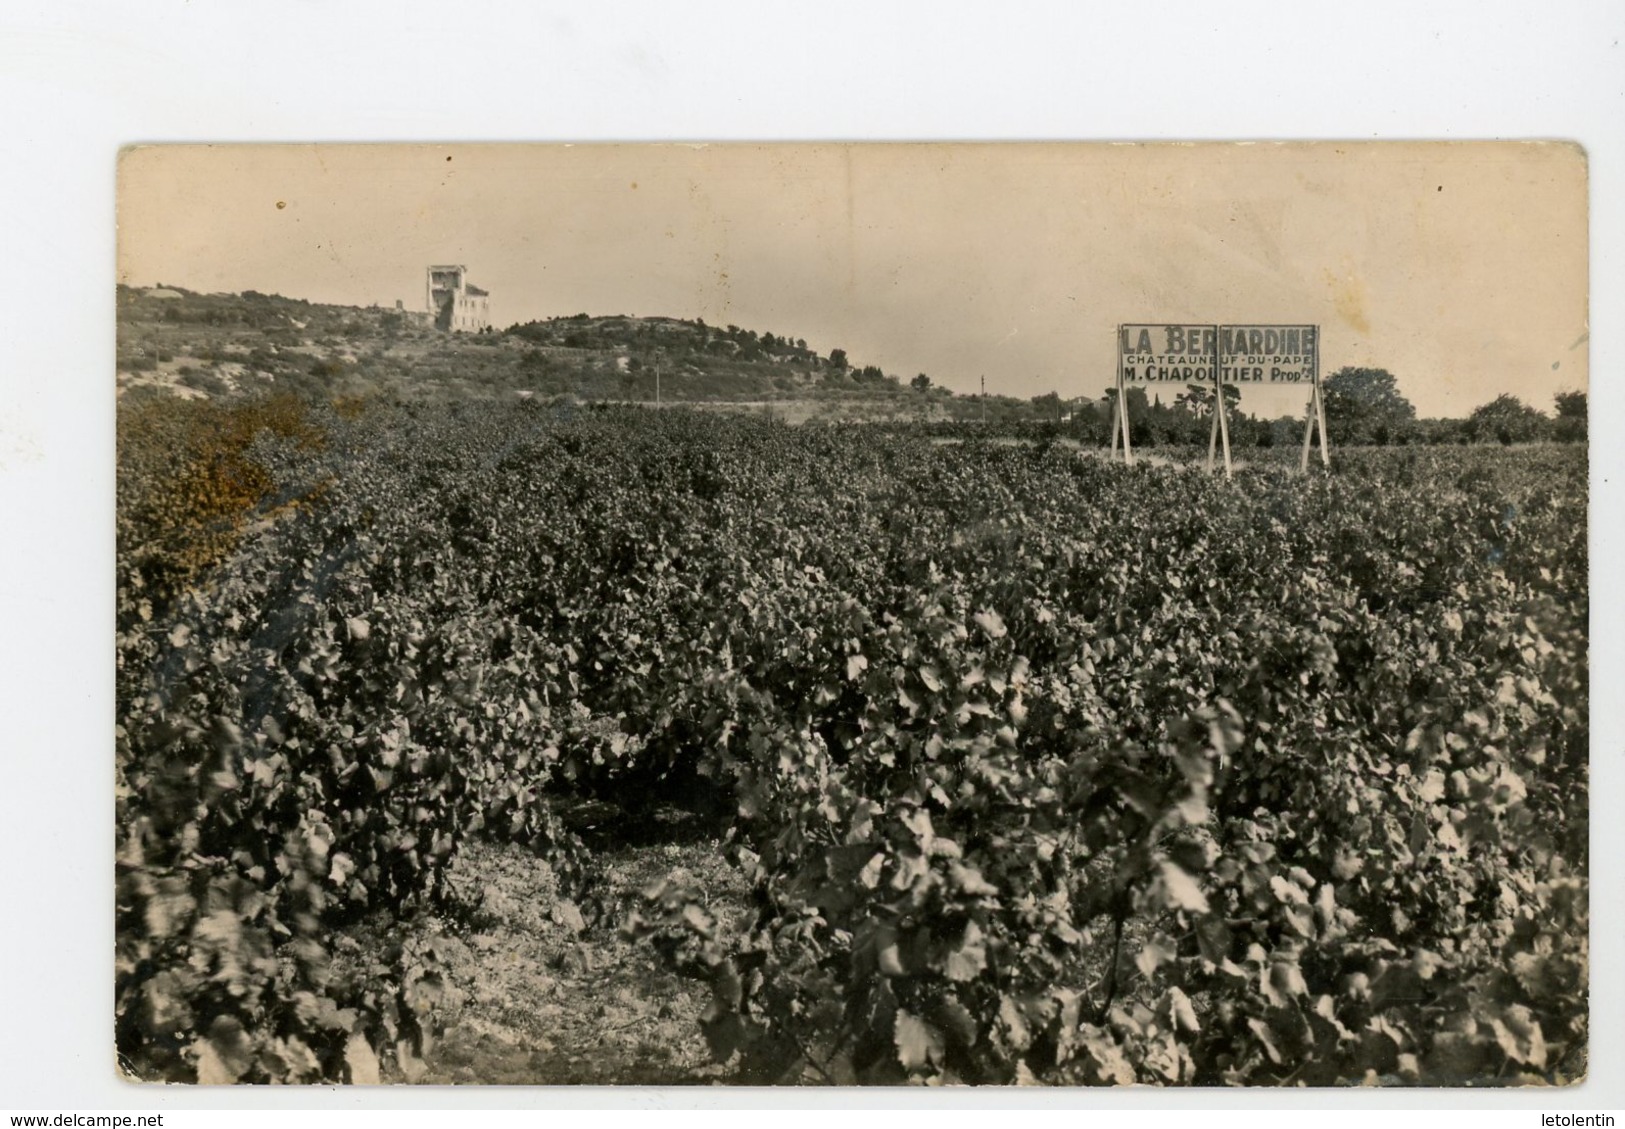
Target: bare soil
point(551, 998)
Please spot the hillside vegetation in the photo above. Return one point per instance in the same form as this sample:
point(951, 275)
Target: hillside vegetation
point(229, 346)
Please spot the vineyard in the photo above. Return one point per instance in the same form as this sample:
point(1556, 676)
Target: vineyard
point(1020, 765)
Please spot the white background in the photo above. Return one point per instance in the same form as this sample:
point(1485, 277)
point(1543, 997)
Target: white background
point(77, 80)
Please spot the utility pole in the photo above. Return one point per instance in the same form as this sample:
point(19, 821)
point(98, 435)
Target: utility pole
point(984, 399)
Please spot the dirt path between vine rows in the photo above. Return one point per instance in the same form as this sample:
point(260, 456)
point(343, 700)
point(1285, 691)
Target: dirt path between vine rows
point(553, 1000)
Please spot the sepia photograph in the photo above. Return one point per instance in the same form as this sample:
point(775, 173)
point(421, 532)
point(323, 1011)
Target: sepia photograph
point(1065, 614)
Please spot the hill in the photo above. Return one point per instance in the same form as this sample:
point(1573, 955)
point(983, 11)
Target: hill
point(178, 342)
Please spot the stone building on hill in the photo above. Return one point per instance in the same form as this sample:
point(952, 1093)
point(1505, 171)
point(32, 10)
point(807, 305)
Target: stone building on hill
point(456, 305)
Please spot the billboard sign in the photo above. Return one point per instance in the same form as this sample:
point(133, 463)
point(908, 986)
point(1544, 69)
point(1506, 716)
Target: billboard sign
point(1245, 354)
point(1217, 355)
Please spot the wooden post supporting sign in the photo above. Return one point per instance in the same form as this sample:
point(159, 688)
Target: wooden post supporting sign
point(1221, 422)
point(1122, 416)
point(1116, 416)
point(1314, 417)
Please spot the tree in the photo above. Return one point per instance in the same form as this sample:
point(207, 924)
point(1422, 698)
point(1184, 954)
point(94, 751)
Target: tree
point(921, 382)
point(1365, 405)
point(837, 358)
point(1048, 406)
point(1138, 402)
point(1139, 409)
point(1507, 419)
point(1197, 399)
point(1571, 417)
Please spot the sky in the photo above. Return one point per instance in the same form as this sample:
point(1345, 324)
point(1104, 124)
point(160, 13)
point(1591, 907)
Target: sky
point(1459, 267)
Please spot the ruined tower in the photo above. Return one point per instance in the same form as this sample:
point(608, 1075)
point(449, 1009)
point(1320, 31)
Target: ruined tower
point(456, 305)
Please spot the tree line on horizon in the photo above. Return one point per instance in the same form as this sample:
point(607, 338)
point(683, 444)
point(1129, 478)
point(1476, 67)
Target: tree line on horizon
point(1364, 407)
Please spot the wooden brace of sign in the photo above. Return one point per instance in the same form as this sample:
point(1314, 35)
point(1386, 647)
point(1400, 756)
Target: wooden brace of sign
point(1221, 421)
point(1313, 417)
point(1120, 420)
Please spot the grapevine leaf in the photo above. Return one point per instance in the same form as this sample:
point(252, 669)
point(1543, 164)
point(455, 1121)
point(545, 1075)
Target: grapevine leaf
point(918, 1043)
point(891, 961)
point(967, 959)
point(225, 1054)
point(1105, 1056)
point(969, 880)
point(1180, 890)
point(1287, 891)
point(1518, 1034)
point(1184, 1015)
point(1266, 1039)
point(1156, 952)
point(1015, 1024)
point(956, 1020)
point(992, 623)
point(361, 1061)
